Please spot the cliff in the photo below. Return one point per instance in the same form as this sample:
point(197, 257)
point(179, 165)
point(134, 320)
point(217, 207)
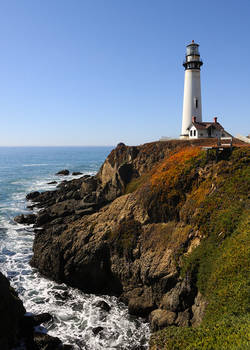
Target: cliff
point(164, 228)
point(12, 312)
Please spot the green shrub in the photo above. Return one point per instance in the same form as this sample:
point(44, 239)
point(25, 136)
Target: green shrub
point(228, 333)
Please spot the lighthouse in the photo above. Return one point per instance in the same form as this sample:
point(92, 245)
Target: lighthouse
point(192, 88)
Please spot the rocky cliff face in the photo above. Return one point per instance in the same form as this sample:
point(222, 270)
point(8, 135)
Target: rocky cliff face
point(12, 312)
point(129, 230)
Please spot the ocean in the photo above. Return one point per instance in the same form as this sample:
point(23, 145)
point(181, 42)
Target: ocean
point(26, 169)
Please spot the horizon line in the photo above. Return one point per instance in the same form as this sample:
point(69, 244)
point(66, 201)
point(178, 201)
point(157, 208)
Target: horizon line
point(57, 146)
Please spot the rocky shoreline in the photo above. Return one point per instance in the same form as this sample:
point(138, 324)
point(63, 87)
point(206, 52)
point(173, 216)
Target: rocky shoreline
point(19, 327)
point(75, 242)
point(123, 233)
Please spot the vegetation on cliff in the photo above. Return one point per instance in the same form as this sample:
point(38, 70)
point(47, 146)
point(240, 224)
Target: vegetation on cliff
point(218, 209)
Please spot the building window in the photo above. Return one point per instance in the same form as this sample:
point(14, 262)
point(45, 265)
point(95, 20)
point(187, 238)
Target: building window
point(191, 133)
point(194, 132)
point(201, 134)
point(223, 135)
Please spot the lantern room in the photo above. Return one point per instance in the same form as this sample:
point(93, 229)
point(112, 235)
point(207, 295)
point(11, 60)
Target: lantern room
point(192, 60)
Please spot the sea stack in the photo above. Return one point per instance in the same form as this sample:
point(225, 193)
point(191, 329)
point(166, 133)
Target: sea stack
point(192, 88)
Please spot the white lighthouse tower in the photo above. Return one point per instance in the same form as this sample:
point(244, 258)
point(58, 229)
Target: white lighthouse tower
point(192, 88)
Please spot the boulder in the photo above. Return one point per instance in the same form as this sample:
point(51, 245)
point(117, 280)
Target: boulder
point(76, 173)
point(161, 318)
point(171, 300)
point(46, 342)
point(64, 172)
point(102, 305)
point(52, 182)
point(140, 306)
point(97, 330)
point(32, 195)
point(25, 219)
point(62, 296)
point(180, 297)
point(89, 185)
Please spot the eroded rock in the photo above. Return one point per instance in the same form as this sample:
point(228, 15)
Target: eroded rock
point(161, 318)
point(64, 172)
point(27, 219)
point(32, 195)
point(102, 304)
point(198, 309)
point(180, 297)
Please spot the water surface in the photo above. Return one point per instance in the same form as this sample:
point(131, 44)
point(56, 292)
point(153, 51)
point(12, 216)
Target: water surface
point(27, 169)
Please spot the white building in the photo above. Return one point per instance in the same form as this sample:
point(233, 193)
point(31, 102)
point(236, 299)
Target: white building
point(192, 88)
point(198, 130)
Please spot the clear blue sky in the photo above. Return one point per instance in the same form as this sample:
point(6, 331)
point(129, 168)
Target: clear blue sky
point(97, 72)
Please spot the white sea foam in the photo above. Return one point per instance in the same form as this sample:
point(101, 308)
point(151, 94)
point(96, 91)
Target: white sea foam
point(74, 313)
point(27, 165)
point(44, 184)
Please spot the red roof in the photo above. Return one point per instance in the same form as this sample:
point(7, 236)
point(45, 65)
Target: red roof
point(207, 125)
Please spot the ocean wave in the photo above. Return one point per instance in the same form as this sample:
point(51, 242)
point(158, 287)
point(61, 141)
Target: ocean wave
point(19, 182)
point(38, 164)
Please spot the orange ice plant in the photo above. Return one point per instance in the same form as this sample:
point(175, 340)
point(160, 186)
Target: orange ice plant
point(170, 171)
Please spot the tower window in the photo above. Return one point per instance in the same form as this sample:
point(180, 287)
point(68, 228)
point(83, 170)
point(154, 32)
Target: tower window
point(196, 102)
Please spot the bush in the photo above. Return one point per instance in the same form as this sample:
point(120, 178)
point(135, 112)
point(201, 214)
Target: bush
point(228, 333)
